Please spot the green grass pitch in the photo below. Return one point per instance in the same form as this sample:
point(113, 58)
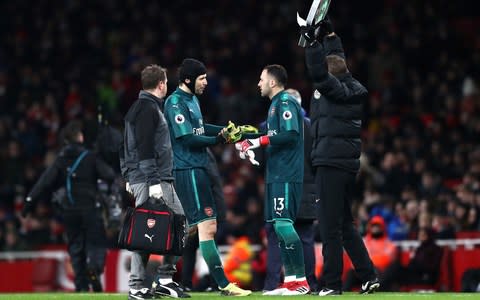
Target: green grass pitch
point(205, 296)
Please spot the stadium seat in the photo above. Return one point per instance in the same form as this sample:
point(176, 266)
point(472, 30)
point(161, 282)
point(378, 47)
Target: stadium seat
point(468, 235)
point(44, 275)
point(444, 281)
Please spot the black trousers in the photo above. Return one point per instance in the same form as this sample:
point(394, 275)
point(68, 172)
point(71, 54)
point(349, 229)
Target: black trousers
point(337, 230)
point(86, 245)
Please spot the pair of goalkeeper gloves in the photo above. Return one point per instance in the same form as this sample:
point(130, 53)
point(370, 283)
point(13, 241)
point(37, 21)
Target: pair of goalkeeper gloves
point(233, 134)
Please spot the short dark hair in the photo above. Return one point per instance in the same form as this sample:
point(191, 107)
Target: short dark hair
point(278, 72)
point(336, 65)
point(152, 75)
point(70, 132)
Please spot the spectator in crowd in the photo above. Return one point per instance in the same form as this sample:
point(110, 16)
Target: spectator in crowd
point(383, 252)
point(424, 267)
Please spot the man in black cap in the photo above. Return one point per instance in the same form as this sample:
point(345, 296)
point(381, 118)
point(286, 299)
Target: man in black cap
point(190, 138)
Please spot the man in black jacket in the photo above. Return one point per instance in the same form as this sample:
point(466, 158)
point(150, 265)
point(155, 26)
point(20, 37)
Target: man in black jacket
point(75, 171)
point(146, 165)
point(336, 113)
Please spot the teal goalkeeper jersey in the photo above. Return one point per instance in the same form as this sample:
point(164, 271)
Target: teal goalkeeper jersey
point(285, 162)
point(184, 117)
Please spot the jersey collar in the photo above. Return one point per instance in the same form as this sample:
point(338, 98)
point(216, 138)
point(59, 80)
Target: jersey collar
point(278, 95)
point(183, 93)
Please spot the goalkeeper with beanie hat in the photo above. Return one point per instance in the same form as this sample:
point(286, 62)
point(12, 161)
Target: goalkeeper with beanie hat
point(190, 138)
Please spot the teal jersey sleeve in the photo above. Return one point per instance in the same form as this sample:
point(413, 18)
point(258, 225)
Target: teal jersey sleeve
point(288, 114)
point(179, 117)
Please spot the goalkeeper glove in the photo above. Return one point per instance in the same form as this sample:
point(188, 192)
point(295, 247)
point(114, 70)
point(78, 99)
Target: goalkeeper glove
point(247, 129)
point(231, 133)
point(155, 191)
point(249, 153)
point(128, 188)
point(249, 144)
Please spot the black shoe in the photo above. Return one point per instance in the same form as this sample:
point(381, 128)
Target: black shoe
point(143, 293)
point(94, 281)
point(171, 289)
point(370, 286)
point(329, 292)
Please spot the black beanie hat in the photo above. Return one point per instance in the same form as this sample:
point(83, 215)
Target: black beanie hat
point(191, 69)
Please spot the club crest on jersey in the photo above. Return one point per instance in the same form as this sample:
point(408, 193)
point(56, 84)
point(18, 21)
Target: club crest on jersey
point(179, 119)
point(150, 223)
point(208, 211)
point(317, 94)
point(287, 115)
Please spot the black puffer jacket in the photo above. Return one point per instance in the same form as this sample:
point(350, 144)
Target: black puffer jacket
point(83, 187)
point(335, 110)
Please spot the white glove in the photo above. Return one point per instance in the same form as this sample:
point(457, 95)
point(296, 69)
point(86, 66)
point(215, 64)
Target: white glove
point(155, 191)
point(251, 157)
point(249, 153)
point(128, 188)
point(249, 144)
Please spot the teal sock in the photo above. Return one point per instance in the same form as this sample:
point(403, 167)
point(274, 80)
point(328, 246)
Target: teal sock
point(292, 247)
point(212, 258)
point(287, 263)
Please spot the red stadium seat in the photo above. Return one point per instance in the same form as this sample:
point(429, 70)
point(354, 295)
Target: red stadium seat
point(444, 282)
point(468, 235)
point(44, 275)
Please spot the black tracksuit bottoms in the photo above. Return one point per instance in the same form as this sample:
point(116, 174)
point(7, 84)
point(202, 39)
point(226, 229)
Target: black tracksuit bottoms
point(337, 230)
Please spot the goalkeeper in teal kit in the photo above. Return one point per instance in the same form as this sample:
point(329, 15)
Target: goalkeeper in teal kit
point(284, 174)
point(190, 138)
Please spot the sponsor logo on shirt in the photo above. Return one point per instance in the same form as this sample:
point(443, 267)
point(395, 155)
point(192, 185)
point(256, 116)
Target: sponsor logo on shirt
point(199, 131)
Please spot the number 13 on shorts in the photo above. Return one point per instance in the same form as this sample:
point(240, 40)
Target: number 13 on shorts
point(278, 205)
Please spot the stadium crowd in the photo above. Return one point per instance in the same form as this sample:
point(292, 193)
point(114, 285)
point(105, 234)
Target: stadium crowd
point(420, 167)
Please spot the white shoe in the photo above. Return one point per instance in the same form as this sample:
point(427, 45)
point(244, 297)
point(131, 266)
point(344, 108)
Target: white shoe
point(298, 288)
point(279, 290)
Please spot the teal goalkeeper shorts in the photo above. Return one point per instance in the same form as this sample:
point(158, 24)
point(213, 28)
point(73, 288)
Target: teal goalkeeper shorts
point(194, 191)
point(282, 201)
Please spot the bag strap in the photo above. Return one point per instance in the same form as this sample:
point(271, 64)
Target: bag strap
point(70, 172)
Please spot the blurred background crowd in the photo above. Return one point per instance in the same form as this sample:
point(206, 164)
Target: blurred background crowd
point(420, 167)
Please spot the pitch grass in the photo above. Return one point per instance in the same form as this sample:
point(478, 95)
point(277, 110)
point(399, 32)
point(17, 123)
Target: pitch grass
point(255, 296)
